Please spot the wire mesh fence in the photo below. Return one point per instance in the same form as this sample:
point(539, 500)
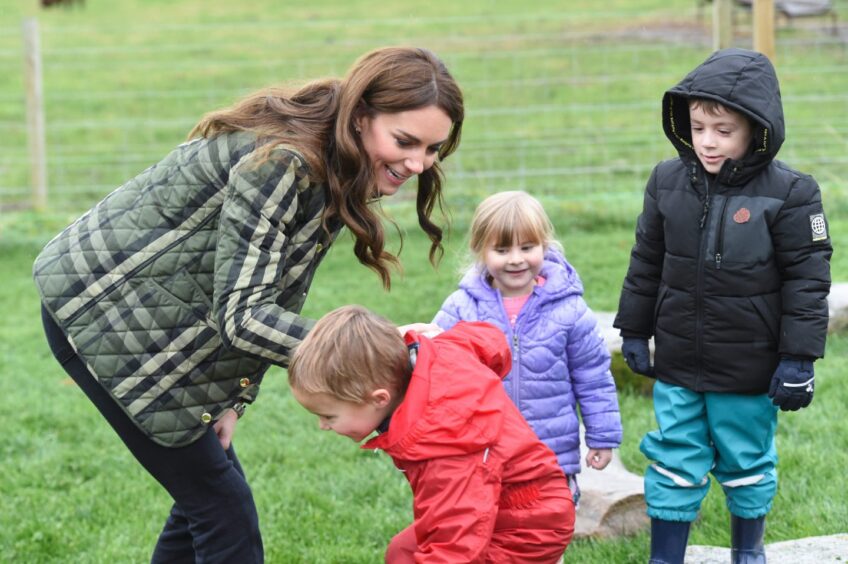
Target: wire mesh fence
point(565, 105)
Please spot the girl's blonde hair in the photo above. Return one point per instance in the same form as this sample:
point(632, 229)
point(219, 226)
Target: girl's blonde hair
point(510, 216)
point(319, 120)
point(349, 353)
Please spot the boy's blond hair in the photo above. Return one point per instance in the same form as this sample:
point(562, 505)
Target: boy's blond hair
point(505, 217)
point(349, 353)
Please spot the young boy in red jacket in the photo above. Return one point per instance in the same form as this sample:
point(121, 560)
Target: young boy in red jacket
point(485, 488)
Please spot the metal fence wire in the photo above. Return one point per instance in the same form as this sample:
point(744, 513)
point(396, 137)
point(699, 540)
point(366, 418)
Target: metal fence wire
point(563, 105)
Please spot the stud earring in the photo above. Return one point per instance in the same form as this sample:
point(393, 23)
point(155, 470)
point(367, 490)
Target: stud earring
point(357, 130)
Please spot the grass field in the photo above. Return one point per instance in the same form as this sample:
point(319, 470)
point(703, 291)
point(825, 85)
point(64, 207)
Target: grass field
point(552, 108)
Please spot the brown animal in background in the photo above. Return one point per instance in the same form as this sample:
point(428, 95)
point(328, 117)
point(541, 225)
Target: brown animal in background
point(49, 3)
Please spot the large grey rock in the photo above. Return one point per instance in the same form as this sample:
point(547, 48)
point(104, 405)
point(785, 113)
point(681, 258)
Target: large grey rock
point(612, 501)
point(837, 303)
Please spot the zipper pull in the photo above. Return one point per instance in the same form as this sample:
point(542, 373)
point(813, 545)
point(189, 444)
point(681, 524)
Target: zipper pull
point(515, 340)
point(706, 202)
point(704, 214)
point(718, 261)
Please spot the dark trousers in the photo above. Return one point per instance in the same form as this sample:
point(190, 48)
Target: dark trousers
point(214, 517)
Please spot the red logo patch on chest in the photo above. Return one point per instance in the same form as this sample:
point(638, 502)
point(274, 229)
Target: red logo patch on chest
point(742, 215)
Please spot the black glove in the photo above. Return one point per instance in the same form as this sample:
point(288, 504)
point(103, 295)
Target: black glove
point(793, 384)
point(637, 355)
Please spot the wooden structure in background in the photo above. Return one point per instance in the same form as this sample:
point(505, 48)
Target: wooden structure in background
point(36, 137)
point(722, 24)
point(764, 28)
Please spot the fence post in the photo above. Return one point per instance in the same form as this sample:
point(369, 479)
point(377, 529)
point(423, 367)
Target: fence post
point(35, 113)
point(722, 24)
point(764, 28)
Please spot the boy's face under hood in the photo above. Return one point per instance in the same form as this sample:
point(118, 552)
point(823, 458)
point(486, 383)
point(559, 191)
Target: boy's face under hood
point(740, 80)
point(718, 136)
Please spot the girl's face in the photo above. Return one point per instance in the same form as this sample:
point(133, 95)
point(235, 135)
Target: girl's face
point(514, 268)
point(403, 144)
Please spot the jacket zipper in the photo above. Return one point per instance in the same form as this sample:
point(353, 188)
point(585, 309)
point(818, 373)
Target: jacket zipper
point(516, 331)
point(94, 301)
point(517, 362)
point(516, 349)
point(699, 291)
point(720, 237)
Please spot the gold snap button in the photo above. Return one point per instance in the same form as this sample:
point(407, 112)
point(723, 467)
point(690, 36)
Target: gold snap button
point(319, 247)
point(206, 418)
point(244, 382)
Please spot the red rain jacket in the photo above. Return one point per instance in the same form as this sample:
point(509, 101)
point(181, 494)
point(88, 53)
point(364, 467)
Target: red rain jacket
point(478, 472)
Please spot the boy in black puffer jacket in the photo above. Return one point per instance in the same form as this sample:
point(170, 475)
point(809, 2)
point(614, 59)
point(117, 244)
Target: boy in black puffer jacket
point(730, 274)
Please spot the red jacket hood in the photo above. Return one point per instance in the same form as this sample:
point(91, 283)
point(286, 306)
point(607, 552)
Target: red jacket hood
point(454, 404)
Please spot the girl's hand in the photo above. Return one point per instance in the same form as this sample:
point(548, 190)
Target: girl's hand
point(423, 329)
point(225, 427)
point(598, 458)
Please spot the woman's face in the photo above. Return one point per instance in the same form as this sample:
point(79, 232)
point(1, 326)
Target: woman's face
point(403, 144)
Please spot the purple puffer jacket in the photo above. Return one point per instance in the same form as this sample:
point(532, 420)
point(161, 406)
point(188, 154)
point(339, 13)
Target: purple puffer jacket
point(560, 360)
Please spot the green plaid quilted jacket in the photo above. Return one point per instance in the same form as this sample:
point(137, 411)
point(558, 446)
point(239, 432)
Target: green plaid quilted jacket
point(182, 286)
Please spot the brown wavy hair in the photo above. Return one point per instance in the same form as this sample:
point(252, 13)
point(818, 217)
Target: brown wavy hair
point(318, 120)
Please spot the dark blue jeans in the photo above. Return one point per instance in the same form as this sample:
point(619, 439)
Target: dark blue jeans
point(214, 517)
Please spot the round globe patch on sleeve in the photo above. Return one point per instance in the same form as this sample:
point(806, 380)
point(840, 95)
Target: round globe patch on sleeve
point(818, 226)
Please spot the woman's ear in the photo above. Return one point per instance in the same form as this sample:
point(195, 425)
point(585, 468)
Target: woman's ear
point(360, 114)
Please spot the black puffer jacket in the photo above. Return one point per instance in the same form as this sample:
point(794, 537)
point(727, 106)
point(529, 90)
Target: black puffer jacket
point(729, 271)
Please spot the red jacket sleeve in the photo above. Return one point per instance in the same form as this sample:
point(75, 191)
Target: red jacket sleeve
point(485, 340)
point(455, 506)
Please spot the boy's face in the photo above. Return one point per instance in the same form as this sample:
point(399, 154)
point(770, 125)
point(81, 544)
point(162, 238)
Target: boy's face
point(349, 419)
point(717, 138)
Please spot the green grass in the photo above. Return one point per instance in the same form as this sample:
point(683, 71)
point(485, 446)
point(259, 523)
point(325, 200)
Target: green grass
point(545, 91)
point(73, 492)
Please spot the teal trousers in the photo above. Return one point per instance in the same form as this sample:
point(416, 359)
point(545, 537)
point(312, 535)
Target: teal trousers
point(730, 436)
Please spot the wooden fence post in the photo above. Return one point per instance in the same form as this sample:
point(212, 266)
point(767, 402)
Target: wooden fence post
point(764, 28)
point(35, 113)
point(722, 24)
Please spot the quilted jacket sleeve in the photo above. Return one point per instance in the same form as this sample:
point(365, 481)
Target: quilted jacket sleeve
point(803, 250)
point(641, 284)
point(449, 314)
point(256, 217)
point(455, 506)
point(592, 381)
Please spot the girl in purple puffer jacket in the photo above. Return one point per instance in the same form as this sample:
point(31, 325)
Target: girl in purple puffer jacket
point(521, 282)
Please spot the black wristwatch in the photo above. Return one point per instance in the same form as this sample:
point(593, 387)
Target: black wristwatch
point(238, 407)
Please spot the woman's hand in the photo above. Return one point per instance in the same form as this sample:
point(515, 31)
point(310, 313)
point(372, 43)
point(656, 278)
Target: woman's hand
point(225, 427)
point(598, 458)
point(423, 329)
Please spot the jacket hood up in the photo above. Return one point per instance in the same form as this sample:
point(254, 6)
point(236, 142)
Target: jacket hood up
point(739, 79)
